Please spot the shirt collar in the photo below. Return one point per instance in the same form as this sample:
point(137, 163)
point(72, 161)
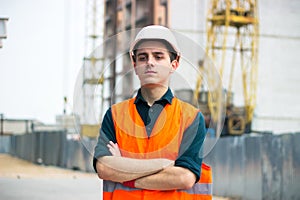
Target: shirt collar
point(168, 96)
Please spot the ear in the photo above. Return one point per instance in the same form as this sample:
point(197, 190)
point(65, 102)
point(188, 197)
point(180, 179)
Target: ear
point(174, 65)
point(134, 67)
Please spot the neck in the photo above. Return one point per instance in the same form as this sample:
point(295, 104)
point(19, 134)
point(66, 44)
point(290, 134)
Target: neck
point(152, 94)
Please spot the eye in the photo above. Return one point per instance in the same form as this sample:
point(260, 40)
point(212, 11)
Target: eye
point(142, 58)
point(159, 57)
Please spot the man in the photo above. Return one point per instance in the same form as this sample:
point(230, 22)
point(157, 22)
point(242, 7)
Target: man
point(150, 146)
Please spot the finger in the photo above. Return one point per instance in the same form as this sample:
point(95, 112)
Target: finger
point(115, 145)
point(110, 147)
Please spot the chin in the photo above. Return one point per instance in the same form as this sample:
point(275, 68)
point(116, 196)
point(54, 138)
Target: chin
point(153, 84)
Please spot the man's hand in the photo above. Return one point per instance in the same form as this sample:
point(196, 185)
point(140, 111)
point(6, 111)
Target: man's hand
point(114, 149)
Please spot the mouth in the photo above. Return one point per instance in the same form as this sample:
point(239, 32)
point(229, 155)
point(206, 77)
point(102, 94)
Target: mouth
point(150, 72)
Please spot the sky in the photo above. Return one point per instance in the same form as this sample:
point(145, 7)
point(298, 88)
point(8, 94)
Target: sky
point(41, 57)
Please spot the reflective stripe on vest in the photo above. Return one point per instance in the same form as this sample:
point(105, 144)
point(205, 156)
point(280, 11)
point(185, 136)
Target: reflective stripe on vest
point(134, 142)
point(199, 188)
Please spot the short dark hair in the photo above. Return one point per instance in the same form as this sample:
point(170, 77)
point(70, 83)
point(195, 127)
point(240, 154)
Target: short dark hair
point(172, 52)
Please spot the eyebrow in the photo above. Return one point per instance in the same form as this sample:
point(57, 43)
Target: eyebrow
point(142, 54)
point(155, 53)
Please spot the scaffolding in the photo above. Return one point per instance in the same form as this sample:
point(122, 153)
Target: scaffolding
point(92, 72)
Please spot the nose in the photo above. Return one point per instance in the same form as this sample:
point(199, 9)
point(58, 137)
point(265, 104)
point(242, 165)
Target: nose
point(151, 60)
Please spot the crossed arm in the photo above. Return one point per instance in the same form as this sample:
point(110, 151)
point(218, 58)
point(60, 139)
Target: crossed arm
point(151, 174)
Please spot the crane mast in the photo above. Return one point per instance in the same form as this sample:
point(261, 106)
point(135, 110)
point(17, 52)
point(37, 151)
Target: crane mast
point(232, 44)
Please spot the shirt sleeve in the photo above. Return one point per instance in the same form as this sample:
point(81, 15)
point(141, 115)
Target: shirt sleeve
point(190, 152)
point(107, 133)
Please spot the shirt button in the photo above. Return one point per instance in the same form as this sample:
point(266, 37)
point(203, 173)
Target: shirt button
point(148, 128)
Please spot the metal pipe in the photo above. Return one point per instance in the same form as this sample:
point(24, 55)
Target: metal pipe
point(2, 120)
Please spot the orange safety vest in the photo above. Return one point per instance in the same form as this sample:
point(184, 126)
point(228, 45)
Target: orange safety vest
point(134, 142)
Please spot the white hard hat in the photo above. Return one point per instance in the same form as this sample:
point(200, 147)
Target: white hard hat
point(156, 32)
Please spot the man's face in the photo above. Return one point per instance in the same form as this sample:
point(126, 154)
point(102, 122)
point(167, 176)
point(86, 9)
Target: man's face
point(153, 65)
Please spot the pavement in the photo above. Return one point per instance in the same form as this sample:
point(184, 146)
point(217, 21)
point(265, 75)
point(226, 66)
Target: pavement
point(22, 180)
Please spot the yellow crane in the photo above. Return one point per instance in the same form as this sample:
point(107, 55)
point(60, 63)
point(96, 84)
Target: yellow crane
point(232, 44)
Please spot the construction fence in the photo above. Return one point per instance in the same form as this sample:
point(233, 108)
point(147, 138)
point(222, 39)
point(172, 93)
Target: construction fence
point(50, 148)
point(257, 166)
point(250, 166)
